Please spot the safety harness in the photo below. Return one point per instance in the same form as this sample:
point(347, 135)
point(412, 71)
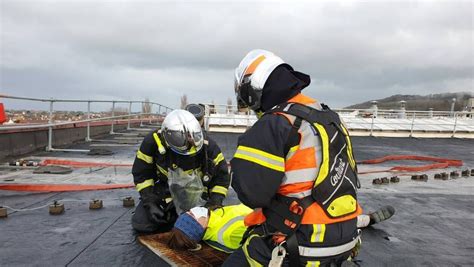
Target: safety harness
point(335, 183)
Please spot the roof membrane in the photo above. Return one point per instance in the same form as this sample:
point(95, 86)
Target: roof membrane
point(433, 224)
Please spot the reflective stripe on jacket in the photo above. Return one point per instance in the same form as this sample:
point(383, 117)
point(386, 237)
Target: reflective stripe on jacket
point(150, 167)
point(303, 164)
point(226, 227)
point(273, 159)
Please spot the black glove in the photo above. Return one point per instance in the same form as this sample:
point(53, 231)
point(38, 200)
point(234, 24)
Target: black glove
point(156, 214)
point(215, 201)
point(151, 202)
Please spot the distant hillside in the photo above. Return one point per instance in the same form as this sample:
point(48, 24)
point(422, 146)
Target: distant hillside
point(438, 102)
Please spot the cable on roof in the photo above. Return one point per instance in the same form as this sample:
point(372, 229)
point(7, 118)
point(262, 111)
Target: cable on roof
point(61, 201)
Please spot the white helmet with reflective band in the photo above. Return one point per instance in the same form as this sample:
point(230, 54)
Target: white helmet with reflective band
point(251, 75)
point(182, 132)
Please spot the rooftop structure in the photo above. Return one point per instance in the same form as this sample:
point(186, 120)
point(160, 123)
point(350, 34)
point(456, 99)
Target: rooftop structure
point(433, 223)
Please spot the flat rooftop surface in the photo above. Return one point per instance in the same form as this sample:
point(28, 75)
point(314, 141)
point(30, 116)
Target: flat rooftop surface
point(433, 224)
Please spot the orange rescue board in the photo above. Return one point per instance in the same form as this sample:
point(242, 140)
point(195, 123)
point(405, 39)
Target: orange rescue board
point(207, 256)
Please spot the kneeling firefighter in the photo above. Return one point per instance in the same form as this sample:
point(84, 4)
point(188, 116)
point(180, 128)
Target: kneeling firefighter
point(295, 168)
point(175, 169)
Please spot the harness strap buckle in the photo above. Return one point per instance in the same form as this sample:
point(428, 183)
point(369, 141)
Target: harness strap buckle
point(278, 255)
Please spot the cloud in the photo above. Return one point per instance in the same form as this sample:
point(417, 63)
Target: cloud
point(354, 51)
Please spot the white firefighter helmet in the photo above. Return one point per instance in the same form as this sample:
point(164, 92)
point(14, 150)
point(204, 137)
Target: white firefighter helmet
point(182, 132)
point(251, 75)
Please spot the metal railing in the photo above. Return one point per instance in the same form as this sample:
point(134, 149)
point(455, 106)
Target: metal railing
point(398, 114)
point(362, 113)
point(226, 109)
point(434, 117)
point(409, 119)
point(162, 110)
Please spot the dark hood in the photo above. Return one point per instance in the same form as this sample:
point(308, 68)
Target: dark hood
point(283, 84)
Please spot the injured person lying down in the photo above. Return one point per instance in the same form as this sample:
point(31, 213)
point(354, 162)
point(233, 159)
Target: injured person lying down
point(224, 228)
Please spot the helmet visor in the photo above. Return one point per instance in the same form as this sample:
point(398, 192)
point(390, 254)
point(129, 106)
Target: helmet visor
point(242, 90)
point(183, 141)
point(177, 139)
point(197, 138)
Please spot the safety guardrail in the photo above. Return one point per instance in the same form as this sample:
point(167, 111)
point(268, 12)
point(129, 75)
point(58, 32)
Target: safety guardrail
point(430, 118)
point(371, 119)
point(159, 114)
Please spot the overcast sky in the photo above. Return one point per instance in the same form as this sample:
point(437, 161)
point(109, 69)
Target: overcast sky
point(354, 51)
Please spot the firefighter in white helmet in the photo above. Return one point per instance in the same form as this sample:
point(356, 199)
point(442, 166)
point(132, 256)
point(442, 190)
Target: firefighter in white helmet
point(175, 169)
point(295, 168)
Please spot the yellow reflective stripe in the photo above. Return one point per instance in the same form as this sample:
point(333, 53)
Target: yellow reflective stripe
point(261, 153)
point(144, 157)
point(318, 233)
point(260, 157)
point(293, 149)
point(252, 262)
point(161, 148)
point(192, 151)
point(313, 263)
point(218, 159)
point(162, 170)
point(224, 235)
point(323, 233)
point(324, 168)
point(145, 184)
point(229, 240)
point(349, 147)
point(219, 189)
point(260, 162)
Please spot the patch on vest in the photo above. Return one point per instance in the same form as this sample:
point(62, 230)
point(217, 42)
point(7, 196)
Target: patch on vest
point(340, 172)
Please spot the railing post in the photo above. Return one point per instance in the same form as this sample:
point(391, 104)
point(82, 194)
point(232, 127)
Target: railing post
point(129, 114)
point(113, 119)
point(455, 123)
point(412, 124)
point(372, 126)
point(159, 114)
point(141, 117)
point(50, 128)
point(150, 116)
point(88, 136)
point(206, 119)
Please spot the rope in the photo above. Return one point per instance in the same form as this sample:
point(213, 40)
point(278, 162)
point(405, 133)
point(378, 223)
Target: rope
point(28, 209)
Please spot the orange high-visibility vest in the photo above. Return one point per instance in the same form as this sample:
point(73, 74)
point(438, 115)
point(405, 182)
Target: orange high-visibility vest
point(307, 167)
